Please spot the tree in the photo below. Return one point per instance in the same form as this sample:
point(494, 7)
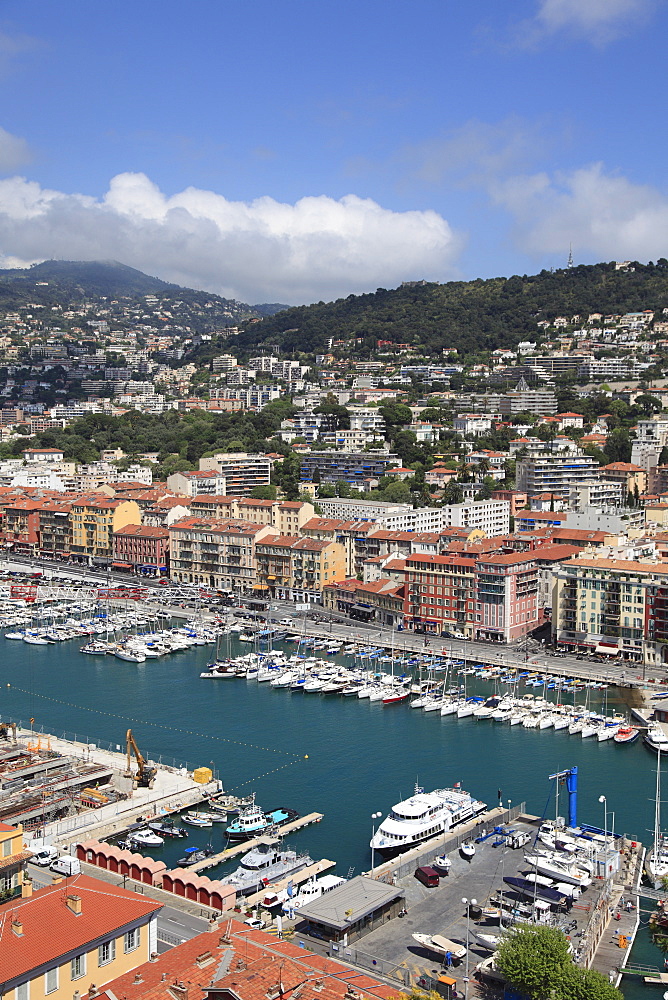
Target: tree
point(453, 493)
point(536, 962)
point(533, 960)
point(264, 493)
point(397, 493)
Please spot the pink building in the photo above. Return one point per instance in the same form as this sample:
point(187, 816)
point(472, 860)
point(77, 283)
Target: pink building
point(140, 547)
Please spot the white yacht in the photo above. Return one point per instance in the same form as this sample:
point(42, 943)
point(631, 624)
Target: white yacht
point(424, 815)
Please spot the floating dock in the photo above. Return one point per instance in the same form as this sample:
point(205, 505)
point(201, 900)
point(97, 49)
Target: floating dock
point(246, 845)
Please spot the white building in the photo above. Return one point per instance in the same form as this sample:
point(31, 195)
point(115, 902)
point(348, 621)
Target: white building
point(472, 423)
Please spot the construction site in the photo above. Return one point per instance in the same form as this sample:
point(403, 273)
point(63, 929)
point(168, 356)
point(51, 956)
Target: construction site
point(60, 789)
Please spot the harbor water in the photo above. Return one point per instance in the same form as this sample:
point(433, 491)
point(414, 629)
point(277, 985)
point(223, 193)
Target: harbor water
point(344, 757)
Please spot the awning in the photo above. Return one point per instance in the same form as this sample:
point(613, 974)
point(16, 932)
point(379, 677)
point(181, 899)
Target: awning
point(260, 586)
point(608, 650)
point(121, 565)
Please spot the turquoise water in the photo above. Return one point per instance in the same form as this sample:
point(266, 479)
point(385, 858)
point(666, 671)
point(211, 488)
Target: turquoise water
point(362, 757)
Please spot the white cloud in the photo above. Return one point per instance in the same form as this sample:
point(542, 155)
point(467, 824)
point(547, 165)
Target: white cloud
point(318, 248)
point(603, 215)
point(597, 21)
point(14, 152)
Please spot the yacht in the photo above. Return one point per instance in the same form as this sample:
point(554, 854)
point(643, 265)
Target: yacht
point(313, 889)
point(264, 864)
point(424, 815)
point(656, 739)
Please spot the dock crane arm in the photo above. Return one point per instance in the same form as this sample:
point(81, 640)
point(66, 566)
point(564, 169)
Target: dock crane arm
point(145, 773)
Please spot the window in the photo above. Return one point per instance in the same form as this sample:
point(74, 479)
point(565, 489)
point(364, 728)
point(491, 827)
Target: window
point(106, 953)
point(77, 967)
point(22, 992)
point(7, 848)
point(131, 940)
point(51, 981)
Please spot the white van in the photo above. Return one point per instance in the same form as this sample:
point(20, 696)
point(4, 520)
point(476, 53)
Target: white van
point(44, 856)
point(66, 866)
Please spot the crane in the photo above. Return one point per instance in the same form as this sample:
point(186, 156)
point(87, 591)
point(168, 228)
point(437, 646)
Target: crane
point(145, 774)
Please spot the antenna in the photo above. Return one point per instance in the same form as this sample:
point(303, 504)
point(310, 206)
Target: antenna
point(570, 255)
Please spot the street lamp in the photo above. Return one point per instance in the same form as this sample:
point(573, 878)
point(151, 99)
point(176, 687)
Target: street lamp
point(374, 817)
point(468, 903)
point(603, 799)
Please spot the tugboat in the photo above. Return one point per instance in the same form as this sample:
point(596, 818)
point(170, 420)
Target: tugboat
point(252, 821)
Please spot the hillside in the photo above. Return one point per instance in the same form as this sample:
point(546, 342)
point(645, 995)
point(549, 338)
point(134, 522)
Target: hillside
point(468, 315)
point(54, 282)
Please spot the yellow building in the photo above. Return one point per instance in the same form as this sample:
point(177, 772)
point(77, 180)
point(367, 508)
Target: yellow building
point(296, 569)
point(13, 858)
point(93, 523)
point(73, 934)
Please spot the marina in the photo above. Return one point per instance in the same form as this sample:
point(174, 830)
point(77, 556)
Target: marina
point(340, 758)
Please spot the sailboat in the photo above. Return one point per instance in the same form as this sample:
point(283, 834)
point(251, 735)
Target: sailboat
point(656, 861)
point(399, 692)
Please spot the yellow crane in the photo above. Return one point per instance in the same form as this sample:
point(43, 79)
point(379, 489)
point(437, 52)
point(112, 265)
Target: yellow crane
point(145, 773)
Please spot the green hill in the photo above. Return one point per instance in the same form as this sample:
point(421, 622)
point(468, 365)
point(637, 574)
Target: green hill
point(471, 316)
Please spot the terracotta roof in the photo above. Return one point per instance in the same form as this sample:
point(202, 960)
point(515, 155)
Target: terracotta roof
point(143, 531)
point(51, 929)
point(203, 961)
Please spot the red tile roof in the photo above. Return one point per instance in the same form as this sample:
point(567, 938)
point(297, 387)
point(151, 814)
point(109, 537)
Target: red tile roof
point(50, 928)
point(256, 960)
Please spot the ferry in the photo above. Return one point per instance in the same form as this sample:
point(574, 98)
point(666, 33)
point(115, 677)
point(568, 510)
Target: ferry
point(424, 815)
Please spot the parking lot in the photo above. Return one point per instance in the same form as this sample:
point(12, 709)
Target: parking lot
point(440, 911)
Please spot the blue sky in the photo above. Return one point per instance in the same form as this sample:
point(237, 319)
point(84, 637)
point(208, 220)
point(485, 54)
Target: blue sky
point(305, 150)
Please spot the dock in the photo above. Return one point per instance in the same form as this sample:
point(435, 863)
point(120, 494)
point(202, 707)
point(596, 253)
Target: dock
point(247, 845)
point(297, 878)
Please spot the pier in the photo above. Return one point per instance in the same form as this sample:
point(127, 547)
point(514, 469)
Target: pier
point(246, 845)
point(297, 879)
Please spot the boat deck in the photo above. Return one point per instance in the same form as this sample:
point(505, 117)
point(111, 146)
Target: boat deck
point(297, 878)
point(246, 845)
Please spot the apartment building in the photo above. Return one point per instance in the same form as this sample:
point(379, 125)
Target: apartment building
point(506, 596)
point(555, 473)
point(219, 554)
point(351, 534)
point(70, 934)
point(346, 466)
point(489, 516)
point(194, 484)
point(613, 606)
point(381, 601)
point(13, 860)
point(631, 477)
point(473, 423)
point(55, 534)
point(651, 437)
point(141, 548)
point(440, 595)
point(296, 569)
point(93, 523)
point(286, 516)
point(241, 471)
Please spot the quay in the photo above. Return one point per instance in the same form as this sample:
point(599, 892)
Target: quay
point(600, 941)
point(246, 845)
point(65, 768)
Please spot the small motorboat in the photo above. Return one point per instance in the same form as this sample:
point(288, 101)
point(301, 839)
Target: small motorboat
point(167, 828)
point(146, 838)
point(196, 819)
point(195, 854)
point(441, 945)
point(467, 849)
point(626, 734)
point(442, 863)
